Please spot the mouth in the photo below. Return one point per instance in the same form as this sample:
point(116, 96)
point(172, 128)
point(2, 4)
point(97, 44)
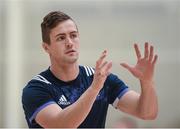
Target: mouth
point(70, 51)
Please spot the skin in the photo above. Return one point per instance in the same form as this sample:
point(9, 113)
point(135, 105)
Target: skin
point(64, 51)
point(144, 105)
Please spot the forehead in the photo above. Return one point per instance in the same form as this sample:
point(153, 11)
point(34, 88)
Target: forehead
point(67, 26)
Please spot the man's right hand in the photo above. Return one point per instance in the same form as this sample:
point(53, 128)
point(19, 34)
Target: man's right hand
point(102, 70)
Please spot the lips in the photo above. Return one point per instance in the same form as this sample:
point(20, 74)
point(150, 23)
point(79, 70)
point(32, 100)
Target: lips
point(69, 51)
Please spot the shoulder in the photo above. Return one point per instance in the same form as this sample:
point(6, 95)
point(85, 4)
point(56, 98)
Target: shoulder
point(113, 78)
point(40, 79)
point(37, 83)
point(87, 70)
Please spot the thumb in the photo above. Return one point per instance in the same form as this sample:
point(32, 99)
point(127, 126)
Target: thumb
point(126, 66)
point(135, 72)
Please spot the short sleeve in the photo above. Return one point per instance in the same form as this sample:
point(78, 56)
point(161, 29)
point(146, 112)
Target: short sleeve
point(34, 98)
point(116, 88)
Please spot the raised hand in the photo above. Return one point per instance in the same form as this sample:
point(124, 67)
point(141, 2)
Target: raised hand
point(144, 68)
point(102, 70)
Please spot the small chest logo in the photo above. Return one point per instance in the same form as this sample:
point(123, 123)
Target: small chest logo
point(63, 101)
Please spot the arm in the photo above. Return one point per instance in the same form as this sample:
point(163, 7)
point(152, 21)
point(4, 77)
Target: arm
point(143, 105)
point(73, 115)
point(53, 116)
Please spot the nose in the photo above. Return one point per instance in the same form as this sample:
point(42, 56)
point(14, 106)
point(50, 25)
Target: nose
point(69, 42)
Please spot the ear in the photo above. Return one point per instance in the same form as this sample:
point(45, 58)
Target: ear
point(45, 47)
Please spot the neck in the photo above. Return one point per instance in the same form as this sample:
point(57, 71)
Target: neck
point(65, 72)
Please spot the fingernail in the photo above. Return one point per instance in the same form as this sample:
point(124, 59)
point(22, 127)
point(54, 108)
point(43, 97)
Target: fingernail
point(104, 51)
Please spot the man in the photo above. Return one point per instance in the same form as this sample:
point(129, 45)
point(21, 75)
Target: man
point(70, 95)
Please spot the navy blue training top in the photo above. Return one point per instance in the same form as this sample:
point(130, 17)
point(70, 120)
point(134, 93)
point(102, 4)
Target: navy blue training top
point(45, 89)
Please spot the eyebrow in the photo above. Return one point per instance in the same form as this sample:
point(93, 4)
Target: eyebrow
point(65, 33)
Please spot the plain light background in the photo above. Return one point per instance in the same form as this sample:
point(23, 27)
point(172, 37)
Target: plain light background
point(103, 24)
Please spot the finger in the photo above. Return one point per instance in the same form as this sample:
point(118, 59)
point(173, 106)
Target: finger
point(155, 59)
point(138, 54)
point(151, 53)
point(100, 60)
point(146, 50)
point(126, 66)
point(103, 55)
point(108, 67)
point(103, 64)
point(104, 70)
point(135, 72)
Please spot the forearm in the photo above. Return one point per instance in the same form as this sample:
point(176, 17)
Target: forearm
point(74, 115)
point(148, 103)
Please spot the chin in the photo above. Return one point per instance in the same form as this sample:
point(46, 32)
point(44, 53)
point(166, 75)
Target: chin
point(72, 60)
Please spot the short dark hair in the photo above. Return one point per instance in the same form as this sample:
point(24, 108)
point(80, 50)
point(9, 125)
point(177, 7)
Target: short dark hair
point(50, 21)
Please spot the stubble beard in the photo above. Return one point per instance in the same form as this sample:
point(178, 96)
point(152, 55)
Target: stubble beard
point(71, 60)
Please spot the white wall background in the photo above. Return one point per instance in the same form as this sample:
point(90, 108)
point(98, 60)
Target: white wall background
point(105, 24)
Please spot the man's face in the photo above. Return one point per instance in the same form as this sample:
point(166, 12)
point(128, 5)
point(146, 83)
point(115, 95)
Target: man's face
point(64, 46)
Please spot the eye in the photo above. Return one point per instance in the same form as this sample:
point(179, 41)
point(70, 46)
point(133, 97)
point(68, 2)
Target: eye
point(60, 38)
point(73, 36)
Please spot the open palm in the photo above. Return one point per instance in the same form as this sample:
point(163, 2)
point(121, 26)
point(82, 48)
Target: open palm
point(144, 68)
